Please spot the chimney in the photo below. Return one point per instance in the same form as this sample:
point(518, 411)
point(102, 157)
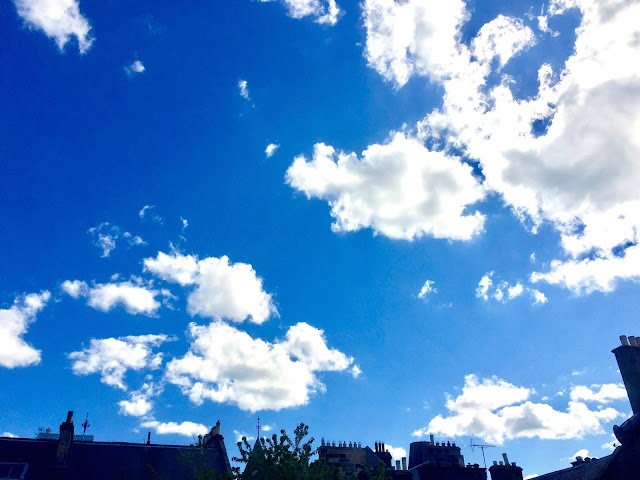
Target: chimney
point(66, 437)
point(505, 470)
point(404, 463)
point(397, 464)
point(432, 439)
point(628, 358)
point(376, 445)
point(149, 438)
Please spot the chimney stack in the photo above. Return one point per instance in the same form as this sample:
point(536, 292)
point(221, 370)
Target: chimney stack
point(506, 470)
point(66, 437)
point(397, 464)
point(404, 463)
point(628, 358)
point(149, 438)
point(432, 439)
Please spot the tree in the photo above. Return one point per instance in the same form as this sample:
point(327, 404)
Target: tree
point(282, 458)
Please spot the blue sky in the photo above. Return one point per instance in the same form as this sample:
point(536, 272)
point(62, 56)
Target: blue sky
point(383, 219)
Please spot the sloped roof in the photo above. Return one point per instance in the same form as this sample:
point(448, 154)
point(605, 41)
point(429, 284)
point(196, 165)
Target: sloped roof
point(592, 470)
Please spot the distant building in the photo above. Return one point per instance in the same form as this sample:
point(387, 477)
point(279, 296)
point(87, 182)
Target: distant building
point(63, 457)
point(624, 462)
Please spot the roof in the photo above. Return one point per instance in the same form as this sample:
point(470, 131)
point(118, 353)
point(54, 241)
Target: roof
point(109, 460)
point(592, 470)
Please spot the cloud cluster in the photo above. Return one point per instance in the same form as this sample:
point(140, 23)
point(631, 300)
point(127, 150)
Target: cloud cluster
point(112, 357)
point(227, 365)
point(222, 289)
point(14, 322)
point(105, 236)
point(502, 291)
point(58, 19)
point(496, 410)
point(134, 296)
point(399, 189)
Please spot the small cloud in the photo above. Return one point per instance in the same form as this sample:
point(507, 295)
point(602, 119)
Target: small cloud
point(427, 289)
point(356, 371)
point(271, 149)
point(240, 435)
point(267, 428)
point(532, 258)
point(135, 68)
point(8, 435)
point(244, 89)
point(148, 211)
point(539, 298)
point(185, 223)
point(583, 453)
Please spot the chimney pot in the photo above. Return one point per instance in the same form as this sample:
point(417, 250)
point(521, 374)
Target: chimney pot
point(70, 416)
point(623, 340)
point(397, 464)
point(633, 341)
point(495, 463)
point(432, 440)
point(506, 459)
point(404, 463)
point(500, 463)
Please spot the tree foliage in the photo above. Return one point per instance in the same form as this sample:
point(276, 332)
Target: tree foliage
point(282, 458)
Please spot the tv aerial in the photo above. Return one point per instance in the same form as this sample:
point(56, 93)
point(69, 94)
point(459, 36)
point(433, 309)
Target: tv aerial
point(481, 446)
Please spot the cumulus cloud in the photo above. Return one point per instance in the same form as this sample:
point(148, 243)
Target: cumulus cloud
point(139, 403)
point(226, 365)
point(58, 19)
point(271, 149)
point(427, 289)
point(188, 429)
point(222, 289)
point(105, 236)
point(134, 68)
point(134, 296)
point(244, 89)
point(599, 393)
point(325, 12)
point(496, 410)
point(399, 189)
point(112, 357)
point(396, 452)
point(14, 323)
point(565, 155)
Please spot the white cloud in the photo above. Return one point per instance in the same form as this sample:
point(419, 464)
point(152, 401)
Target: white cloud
point(496, 410)
point(271, 149)
point(606, 393)
point(105, 236)
point(396, 452)
point(583, 453)
point(185, 223)
point(580, 174)
point(427, 289)
point(14, 323)
point(139, 403)
point(267, 428)
point(503, 292)
point(188, 429)
point(325, 12)
point(222, 289)
point(134, 68)
point(399, 189)
point(356, 371)
point(135, 297)
point(239, 435)
point(149, 211)
point(244, 89)
point(58, 19)
point(112, 357)
point(610, 445)
point(8, 435)
point(227, 365)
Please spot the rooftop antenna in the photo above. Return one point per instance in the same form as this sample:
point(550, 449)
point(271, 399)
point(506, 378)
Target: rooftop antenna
point(481, 446)
point(85, 425)
point(258, 428)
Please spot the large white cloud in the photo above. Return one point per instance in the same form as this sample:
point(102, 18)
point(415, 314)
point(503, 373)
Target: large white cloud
point(112, 357)
point(400, 189)
point(135, 297)
point(581, 174)
point(227, 365)
point(14, 322)
point(496, 410)
point(222, 289)
point(58, 19)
